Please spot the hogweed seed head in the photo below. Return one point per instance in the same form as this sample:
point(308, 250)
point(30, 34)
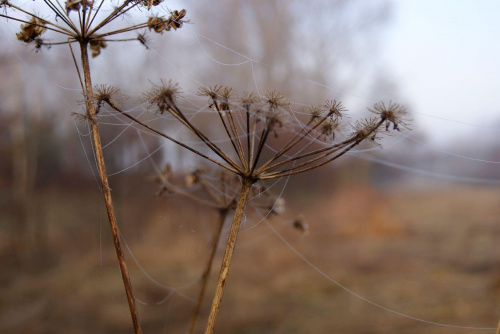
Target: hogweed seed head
point(366, 129)
point(315, 112)
point(219, 96)
point(31, 30)
point(276, 100)
point(106, 94)
point(247, 100)
point(163, 96)
point(329, 127)
point(391, 113)
point(335, 109)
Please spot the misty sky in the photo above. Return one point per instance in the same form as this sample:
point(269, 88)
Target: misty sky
point(446, 59)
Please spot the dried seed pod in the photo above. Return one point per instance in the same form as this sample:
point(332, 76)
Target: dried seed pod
point(31, 30)
point(96, 45)
point(176, 18)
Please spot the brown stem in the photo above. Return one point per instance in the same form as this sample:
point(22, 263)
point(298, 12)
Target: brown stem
point(96, 139)
point(206, 274)
point(231, 241)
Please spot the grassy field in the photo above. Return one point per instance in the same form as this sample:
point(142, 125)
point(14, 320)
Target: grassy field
point(428, 253)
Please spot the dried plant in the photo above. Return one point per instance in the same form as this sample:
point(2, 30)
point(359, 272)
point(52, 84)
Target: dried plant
point(219, 191)
point(249, 123)
point(80, 22)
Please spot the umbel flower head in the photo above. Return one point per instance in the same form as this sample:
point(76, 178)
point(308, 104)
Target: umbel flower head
point(163, 96)
point(87, 28)
point(391, 113)
point(247, 122)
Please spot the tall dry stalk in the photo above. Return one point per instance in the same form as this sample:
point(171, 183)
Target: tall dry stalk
point(217, 191)
point(248, 123)
point(86, 32)
point(96, 139)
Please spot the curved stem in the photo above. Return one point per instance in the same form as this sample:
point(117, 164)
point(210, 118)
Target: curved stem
point(231, 241)
point(96, 140)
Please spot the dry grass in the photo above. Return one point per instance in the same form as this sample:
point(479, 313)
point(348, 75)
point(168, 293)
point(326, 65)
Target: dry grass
point(430, 254)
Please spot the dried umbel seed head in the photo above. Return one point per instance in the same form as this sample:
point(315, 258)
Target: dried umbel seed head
point(329, 127)
point(163, 96)
point(335, 109)
point(219, 97)
point(96, 46)
point(247, 100)
point(391, 113)
point(31, 30)
point(106, 94)
point(276, 100)
point(366, 129)
point(315, 112)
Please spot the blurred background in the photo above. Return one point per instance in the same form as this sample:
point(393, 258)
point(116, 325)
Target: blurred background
point(412, 227)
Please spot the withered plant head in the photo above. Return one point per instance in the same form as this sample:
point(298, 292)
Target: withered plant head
point(247, 100)
point(31, 30)
point(276, 100)
point(106, 94)
point(391, 113)
point(162, 96)
point(247, 123)
point(88, 27)
point(335, 109)
point(219, 97)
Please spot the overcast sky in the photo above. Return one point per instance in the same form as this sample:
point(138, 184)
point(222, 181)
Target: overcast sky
point(446, 58)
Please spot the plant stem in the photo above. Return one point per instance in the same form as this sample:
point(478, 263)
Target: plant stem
point(96, 140)
point(231, 241)
point(222, 217)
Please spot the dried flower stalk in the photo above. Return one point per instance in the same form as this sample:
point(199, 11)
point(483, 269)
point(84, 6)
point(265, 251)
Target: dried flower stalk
point(85, 31)
point(263, 118)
